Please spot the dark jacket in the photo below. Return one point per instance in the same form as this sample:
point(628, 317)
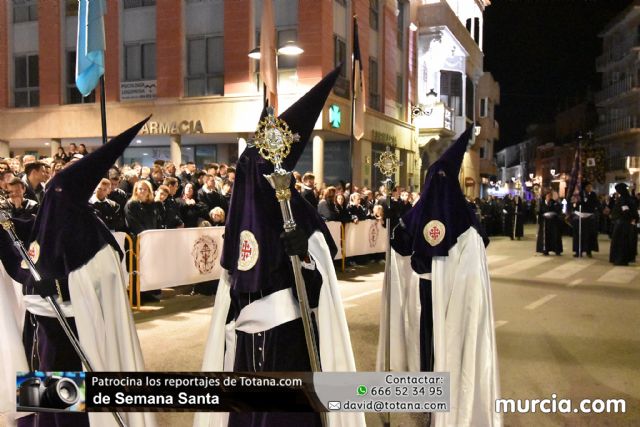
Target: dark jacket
point(142, 216)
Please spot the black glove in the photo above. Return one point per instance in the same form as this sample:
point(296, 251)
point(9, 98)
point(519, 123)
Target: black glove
point(295, 242)
point(46, 288)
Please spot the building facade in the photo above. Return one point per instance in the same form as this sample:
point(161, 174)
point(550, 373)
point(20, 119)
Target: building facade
point(450, 68)
point(186, 63)
point(619, 100)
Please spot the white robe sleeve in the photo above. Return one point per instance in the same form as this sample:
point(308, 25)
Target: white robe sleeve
point(105, 325)
point(12, 357)
point(464, 336)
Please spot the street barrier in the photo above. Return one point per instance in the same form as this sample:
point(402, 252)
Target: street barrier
point(364, 238)
point(185, 256)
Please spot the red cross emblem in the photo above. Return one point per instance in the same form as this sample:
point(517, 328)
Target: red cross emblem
point(434, 233)
point(245, 251)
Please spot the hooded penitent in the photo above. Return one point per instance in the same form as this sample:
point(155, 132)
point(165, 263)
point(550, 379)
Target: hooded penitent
point(440, 306)
point(256, 323)
point(254, 206)
point(441, 203)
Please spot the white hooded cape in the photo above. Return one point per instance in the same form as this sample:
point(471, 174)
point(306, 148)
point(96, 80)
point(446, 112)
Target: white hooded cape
point(335, 344)
point(105, 325)
point(463, 332)
point(12, 357)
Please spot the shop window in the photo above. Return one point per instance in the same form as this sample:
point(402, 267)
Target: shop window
point(140, 61)
point(25, 10)
point(205, 67)
point(26, 81)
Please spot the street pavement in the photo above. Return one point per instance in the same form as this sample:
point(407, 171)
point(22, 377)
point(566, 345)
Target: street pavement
point(564, 326)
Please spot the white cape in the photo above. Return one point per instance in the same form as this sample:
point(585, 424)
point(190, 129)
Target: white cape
point(336, 354)
point(12, 357)
point(464, 336)
point(105, 325)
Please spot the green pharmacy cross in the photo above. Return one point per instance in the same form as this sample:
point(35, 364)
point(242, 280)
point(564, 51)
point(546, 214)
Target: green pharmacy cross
point(335, 116)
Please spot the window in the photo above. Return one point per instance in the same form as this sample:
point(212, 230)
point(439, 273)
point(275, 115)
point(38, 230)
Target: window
point(25, 10)
point(373, 14)
point(342, 2)
point(451, 90)
point(401, 24)
point(130, 4)
point(341, 87)
point(399, 89)
point(71, 8)
point(73, 94)
point(26, 83)
point(374, 97)
point(284, 36)
point(482, 152)
point(476, 30)
point(484, 107)
point(469, 98)
point(140, 61)
point(205, 66)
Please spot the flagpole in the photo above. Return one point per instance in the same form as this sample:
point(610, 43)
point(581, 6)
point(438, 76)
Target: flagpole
point(353, 102)
point(103, 110)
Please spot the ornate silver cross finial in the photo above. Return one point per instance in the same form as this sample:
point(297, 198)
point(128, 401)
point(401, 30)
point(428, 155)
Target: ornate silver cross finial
point(273, 139)
point(388, 164)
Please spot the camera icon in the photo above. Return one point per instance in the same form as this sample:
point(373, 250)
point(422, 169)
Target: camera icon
point(53, 392)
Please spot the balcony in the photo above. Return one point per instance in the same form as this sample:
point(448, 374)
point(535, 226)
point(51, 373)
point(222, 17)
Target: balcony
point(616, 89)
point(619, 53)
point(623, 124)
point(437, 121)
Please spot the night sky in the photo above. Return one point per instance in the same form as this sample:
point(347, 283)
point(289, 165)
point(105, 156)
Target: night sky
point(542, 53)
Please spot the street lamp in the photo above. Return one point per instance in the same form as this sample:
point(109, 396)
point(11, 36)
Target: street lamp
point(290, 48)
point(427, 108)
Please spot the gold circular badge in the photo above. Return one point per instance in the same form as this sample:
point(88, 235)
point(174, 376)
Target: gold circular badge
point(249, 251)
point(434, 232)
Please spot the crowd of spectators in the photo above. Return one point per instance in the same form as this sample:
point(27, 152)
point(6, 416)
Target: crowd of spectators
point(134, 198)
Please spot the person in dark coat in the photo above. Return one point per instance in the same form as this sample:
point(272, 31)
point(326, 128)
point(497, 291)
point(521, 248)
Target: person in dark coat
point(308, 189)
point(191, 211)
point(508, 210)
point(21, 207)
point(518, 216)
point(107, 210)
point(549, 227)
point(168, 208)
point(327, 207)
point(210, 196)
point(624, 240)
point(584, 221)
point(141, 213)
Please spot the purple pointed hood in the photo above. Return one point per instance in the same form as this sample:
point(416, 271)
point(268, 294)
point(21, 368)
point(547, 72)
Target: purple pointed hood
point(441, 215)
point(66, 229)
point(259, 261)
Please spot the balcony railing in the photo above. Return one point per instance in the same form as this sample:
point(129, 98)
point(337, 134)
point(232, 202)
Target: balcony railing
point(619, 52)
point(616, 89)
point(622, 124)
